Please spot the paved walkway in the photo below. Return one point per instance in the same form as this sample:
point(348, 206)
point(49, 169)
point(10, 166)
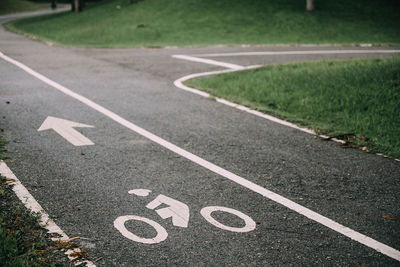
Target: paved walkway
point(173, 178)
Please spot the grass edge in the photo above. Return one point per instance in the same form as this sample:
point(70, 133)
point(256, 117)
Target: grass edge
point(314, 130)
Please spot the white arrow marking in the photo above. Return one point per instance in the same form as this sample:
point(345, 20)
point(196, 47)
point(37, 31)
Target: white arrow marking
point(66, 129)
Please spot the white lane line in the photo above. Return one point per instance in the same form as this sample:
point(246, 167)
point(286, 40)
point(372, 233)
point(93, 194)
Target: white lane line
point(209, 61)
point(363, 239)
point(179, 83)
point(312, 52)
point(44, 221)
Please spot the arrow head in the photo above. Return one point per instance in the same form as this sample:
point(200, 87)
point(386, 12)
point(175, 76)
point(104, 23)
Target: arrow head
point(53, 122)
point(66, 129)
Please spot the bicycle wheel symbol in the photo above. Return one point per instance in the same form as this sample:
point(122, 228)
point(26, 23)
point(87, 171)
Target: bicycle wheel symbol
point(250, 223)
point(119, 223)
point(179, 213)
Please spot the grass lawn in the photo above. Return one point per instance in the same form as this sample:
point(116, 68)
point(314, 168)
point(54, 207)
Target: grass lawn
point(116, 23)
point(17, 227)
point(356, 100)
point(13, 6)
point(22, 240)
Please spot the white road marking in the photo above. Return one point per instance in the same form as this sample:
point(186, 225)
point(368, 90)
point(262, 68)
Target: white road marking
point(210, 62)
point(65, 128)
point(282, 53)
point(119, 223)
point(32, 205)
point(178, 211)
point(179, 83)
point(363, 239)
point(250, 224)
point(140, 192)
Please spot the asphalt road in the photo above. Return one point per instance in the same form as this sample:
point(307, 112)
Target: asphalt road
point(86, 188)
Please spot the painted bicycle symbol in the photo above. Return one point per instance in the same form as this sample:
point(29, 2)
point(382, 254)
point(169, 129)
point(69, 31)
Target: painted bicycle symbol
point(179, 212)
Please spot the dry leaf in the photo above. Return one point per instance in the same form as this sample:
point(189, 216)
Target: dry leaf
point(390, 217)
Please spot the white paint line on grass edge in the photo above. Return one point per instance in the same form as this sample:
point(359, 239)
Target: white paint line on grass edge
point(179, 82)
point(210, 62)
point(305, 52)
point(363, 239)
point(44, 221)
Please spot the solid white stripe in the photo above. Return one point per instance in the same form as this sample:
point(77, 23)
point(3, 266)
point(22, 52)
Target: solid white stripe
point(31, 204)
point(210, 61)
point(363, 239)
point(281, 53)
point(179, 83)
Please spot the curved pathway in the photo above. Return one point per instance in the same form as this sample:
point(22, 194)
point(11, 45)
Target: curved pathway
point(149, 188)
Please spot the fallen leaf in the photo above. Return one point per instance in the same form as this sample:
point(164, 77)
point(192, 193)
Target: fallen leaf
point(390, 217)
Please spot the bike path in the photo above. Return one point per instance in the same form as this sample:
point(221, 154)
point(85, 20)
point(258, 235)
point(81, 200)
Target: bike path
point(86, 188)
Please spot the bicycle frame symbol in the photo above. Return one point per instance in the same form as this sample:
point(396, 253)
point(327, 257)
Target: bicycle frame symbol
point(179, 212)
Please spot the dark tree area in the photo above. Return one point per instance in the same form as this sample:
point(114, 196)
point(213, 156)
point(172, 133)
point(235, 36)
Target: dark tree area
point(77, 5)
point(310, 5)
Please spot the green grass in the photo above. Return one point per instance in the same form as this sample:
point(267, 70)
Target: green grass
point(114, 23)
point(2, 149)
point(13, 6)
point(22, 241)
point(15, 246)
point(357, 100)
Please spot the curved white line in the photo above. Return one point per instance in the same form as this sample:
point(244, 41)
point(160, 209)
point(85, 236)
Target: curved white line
point(180, 84)
point(315, 52)
point(210, 62)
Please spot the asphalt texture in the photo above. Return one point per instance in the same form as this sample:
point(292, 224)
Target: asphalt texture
point(84, 189)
